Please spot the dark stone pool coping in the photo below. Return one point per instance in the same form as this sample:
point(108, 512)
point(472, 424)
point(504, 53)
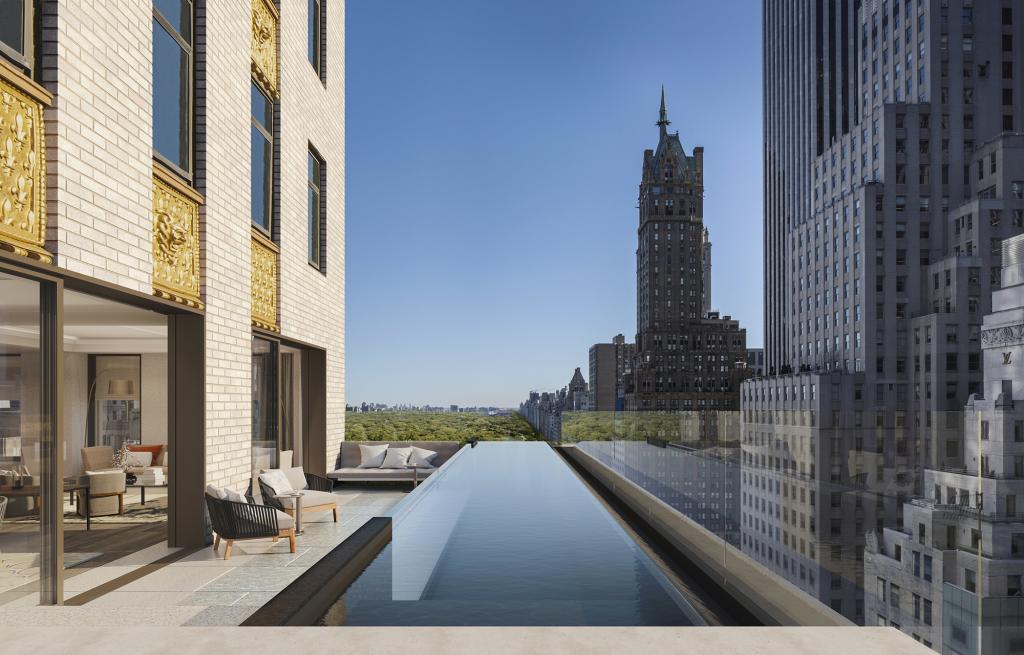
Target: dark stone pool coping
point(308, 598)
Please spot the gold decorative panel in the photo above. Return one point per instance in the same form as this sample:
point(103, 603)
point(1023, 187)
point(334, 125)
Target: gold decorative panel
point(175, 245)
point(264, 284)
point(22, 174)
point(264, 45)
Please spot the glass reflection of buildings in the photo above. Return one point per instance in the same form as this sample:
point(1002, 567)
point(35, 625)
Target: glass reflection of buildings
point(886, 197)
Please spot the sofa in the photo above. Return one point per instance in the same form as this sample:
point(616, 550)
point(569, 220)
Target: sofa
point(349, 458)
point(101, 458)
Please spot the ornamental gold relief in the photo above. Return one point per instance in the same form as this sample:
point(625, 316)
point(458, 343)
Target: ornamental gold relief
point(22, 174)
point(176, 271)
point(264, 286)
point(264, 45)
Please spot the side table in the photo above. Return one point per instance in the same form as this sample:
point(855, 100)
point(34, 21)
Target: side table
point(415, 474)
point(297, 496)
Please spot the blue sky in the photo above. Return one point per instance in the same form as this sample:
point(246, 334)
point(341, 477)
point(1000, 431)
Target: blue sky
point(493, 161)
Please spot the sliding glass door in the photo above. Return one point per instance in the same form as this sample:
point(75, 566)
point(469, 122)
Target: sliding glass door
point(265, 424)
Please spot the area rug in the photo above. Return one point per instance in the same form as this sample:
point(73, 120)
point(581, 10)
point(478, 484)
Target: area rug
point(154, 511)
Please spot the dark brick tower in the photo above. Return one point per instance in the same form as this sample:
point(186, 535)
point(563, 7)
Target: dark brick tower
point(686, 358)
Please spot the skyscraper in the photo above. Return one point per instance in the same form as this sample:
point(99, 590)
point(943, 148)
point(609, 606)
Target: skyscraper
point(888, 189)
point(686, 359)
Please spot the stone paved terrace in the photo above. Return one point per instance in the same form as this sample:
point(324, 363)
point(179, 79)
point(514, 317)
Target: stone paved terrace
point(201, 588)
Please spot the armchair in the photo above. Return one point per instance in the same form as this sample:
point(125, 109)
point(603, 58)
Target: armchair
point(317, 493)
point(106, 493)
point(233, 521)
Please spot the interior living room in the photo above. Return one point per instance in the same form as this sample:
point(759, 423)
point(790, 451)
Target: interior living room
point(114, 459)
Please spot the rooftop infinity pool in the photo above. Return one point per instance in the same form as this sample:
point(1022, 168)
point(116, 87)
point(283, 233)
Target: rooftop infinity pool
point(506, 534)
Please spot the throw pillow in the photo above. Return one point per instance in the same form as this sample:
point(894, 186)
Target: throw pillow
point(371, 457)
point(422, 457)
point(139, 459)
point(296, 477)
point(396, 458)
point(234, 496)
point(215, 491)
point(276, 480)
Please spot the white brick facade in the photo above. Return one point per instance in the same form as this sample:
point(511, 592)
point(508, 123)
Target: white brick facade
point(98, 64)
point(305, 292)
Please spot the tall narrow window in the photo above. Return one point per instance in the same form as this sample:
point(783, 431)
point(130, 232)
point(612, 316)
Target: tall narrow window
point(16, 32)
point(315, 37)
point(172, 84)
point(315, 213)
point(264, 404)
point(262, 159)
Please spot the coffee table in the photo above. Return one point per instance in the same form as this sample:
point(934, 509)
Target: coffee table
point(415, 474)
point(36, 491)
point(142, 488)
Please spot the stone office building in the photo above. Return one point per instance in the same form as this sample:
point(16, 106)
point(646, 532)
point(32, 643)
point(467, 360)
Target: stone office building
point(890, 174)
point(686, 358)
point(137, 305)
point(925, 578)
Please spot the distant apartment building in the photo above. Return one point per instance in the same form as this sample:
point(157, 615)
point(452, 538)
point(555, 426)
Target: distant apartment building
point(609, 364)
point(891, 177)
point(138, 308)
point(686, 358)
point(544, 410)
point(755, 361)
point(965, 537)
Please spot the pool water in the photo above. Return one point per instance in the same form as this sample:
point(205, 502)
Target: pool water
point(506, 534)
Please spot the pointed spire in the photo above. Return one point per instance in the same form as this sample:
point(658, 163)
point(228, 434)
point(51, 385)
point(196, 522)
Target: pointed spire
point(663, 121)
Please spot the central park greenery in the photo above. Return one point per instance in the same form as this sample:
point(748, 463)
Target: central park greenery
point(428, 426)
point(695, 428)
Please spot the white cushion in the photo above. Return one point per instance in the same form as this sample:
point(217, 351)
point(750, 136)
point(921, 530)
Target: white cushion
point(277, 480)
point(137, 459)
point(296, 477)
point(310, 499)
point(372, 457)
point(396, 458)
point(421, 457)
point(284, 522)
point(235, 496)
point(215, 491)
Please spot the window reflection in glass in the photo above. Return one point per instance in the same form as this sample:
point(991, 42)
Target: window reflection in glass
point(262, 158)
point(264, 405)
point(21, 419)
point(172, 82)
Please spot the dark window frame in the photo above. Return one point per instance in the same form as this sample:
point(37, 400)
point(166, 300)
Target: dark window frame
point(268, 133)
point(25, 60)
point(188, 103)
point(316, 183)
point(316, 42)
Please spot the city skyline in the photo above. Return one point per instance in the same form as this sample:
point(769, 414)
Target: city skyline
point(555, 262)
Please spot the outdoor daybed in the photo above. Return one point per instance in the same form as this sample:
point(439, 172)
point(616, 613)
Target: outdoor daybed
point(350, 458)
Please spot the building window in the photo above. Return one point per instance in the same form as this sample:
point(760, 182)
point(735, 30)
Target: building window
point(315, 223)
point(264, 404)
point(315, 37)
point(172, 84)
point(262, 159)
point(16, 32)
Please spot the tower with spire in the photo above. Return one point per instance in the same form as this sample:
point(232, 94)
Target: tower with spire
point(687, 357)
